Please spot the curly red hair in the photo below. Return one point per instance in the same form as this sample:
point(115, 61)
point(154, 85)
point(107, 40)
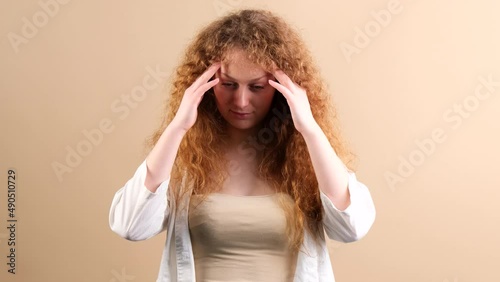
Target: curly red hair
point(284, 162)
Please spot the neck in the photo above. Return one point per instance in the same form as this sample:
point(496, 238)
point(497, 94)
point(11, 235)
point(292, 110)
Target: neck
point(238, 137)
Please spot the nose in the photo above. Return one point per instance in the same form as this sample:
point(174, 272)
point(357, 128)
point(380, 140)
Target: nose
point(241, 98)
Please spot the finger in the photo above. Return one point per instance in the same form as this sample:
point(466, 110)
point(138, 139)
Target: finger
point(206, 75)
point(209, 73)
point(281, 88)
point(204, 88)
point(283, 78)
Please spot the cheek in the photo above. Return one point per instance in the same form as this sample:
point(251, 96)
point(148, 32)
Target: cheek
point(221, 91)
point(221, 96)
point(267, 98)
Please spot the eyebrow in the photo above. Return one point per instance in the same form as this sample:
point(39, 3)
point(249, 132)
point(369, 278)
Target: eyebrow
point(250, 80)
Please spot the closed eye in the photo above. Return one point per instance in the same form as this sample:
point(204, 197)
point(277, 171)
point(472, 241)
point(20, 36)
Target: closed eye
point(233, 85)
point(228, 84)
point(256, 87)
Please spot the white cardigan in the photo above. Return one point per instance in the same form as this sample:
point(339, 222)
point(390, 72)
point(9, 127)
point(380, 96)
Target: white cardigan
point(138, 214)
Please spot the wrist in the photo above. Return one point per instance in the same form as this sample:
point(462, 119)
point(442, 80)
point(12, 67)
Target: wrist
point(312, 130)
point(176, 127)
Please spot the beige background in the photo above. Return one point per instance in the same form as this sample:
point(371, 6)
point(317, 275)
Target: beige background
point(440, 222)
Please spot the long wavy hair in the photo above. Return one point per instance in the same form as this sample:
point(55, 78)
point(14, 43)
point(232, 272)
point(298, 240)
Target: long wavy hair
point(283, 158)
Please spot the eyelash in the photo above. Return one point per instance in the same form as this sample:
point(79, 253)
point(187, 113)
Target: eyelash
point(255, 87)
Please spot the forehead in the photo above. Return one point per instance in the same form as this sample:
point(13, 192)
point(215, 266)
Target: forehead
point(237, 65)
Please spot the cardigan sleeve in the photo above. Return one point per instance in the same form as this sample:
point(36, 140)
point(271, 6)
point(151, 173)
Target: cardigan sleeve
point(136, 213)
point(355, 221)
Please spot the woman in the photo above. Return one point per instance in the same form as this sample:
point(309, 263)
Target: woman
point(247, 170)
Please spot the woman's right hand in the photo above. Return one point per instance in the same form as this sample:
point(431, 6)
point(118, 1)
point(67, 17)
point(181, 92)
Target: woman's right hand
point(188, 109)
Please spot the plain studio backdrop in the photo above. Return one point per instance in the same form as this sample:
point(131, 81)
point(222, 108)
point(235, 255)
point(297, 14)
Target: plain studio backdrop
point(417, 86)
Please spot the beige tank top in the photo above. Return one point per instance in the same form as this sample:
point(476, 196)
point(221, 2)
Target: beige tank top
point(240, 238)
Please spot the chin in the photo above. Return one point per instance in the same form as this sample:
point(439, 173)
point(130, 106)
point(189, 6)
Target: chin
point(239, 125)
point(242, 126)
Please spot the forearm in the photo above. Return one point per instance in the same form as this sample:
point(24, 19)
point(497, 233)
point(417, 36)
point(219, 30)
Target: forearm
point(136, 213)
point(161, 159)
point(331, 173)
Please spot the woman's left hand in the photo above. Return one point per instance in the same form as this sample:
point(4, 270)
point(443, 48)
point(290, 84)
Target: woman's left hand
point(296, 98)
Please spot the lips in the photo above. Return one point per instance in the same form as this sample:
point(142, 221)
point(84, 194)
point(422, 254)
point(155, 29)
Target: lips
point(240, 115)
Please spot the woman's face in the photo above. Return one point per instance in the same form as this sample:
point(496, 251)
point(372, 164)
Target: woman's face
point(243, 94)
